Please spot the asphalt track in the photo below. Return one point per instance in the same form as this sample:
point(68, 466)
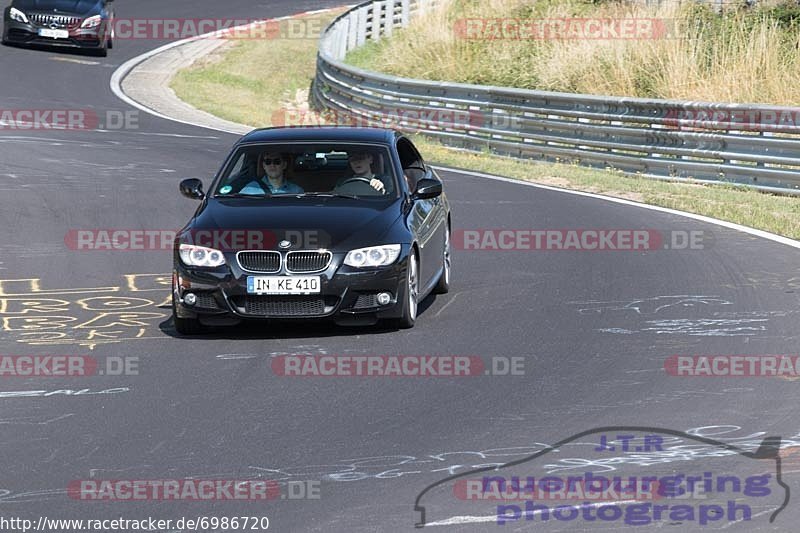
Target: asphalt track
point(594, 329)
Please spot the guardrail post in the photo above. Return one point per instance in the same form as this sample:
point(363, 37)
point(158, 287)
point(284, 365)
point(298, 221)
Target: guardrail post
point(388, 8)
point(341, 39)
point(405, 13)
point(763, 133)
point(377, 15)
point(361, 28)
point(352, 30)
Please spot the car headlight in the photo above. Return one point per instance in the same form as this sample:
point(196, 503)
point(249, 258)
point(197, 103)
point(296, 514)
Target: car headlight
point(374, 256)
point(18, 15)
point(199, 256)
point(92, 22)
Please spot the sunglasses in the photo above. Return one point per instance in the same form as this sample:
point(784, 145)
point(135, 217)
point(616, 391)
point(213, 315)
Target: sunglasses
point(266, 161)
point(360, 157)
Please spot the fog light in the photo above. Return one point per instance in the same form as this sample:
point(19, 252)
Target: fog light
point(189, 299)
point(384, 298)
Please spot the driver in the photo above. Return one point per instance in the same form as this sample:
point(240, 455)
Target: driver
point(361, 165)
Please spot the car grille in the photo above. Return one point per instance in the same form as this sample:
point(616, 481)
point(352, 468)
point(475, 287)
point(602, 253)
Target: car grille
point(267, 262)
point(61, 21)
point(286, 306)
point(308, 261)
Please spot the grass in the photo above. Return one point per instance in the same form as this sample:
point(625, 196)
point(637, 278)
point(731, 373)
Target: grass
point(256, 77)
point(251, 80)
point(742, 55)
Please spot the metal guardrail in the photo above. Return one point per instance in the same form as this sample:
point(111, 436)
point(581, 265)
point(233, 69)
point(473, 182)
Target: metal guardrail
point(756, 145)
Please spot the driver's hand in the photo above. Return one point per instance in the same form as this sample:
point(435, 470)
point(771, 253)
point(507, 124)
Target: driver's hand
point(377, 184)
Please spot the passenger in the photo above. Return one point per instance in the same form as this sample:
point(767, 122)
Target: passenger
point(271, 180)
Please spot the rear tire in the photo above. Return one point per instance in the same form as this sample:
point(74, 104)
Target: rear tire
point(185, 326)
point(410, 302)
point(443, 286)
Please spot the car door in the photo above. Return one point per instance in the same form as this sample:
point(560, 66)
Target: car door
point(427, 218)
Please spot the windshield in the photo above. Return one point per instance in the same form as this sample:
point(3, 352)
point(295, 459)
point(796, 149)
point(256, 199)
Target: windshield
point(362, 171)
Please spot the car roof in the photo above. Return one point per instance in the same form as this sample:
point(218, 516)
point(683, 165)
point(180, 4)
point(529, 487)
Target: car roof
point(314, 133)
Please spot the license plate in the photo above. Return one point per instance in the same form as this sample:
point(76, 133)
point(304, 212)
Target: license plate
point(54, 34)
point(283, 285)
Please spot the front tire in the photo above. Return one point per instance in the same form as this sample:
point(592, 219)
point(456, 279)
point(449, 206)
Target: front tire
point(410, 302)
point(185, 326)
point(102, 51)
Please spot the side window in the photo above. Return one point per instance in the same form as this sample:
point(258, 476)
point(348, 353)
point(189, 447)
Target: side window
point(240, 171)
point(411, 161)
point(239, 164)
point(409, 156)
point(234, 169)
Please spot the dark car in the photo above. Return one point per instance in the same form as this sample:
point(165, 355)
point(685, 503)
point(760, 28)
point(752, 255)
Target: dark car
point(80, 24)
point(347, 224)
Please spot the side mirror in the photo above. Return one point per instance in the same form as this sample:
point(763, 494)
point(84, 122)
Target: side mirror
point(427, 188)
point(192, 188)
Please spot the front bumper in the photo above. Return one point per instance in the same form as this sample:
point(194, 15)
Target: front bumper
point(16, 32)
point(346, 294)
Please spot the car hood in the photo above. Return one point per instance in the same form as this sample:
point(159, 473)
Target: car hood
point(333, 223)
point(79, 7)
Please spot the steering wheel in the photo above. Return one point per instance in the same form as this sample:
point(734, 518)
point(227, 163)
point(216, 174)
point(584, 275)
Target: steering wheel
point(359, 186)
point(353, 179)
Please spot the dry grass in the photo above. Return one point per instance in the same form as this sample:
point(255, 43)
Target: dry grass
point(252, 79)
point(743, 55)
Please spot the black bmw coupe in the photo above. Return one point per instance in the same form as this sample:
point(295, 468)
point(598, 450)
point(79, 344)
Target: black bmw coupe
point(347, 224)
